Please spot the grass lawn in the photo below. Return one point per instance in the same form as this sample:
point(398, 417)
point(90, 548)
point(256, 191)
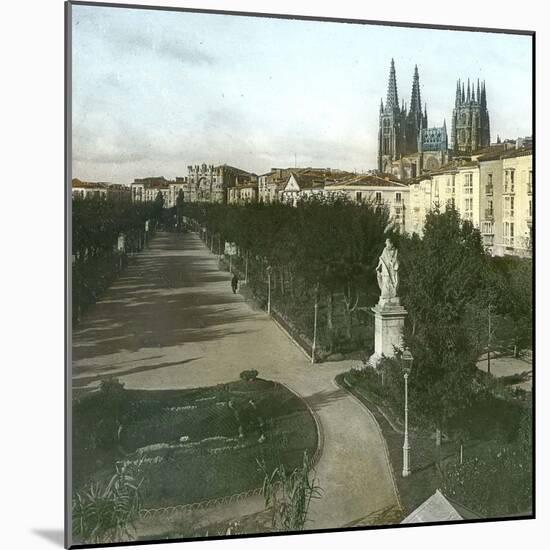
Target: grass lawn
point(195, 444)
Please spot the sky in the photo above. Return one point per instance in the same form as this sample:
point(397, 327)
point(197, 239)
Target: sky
point(156, 91)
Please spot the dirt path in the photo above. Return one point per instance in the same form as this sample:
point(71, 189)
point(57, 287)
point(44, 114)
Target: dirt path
point(172, 322)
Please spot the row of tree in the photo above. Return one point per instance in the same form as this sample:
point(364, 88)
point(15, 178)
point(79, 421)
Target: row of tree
point(461, 301)
point(324, 250)
point(97, 224)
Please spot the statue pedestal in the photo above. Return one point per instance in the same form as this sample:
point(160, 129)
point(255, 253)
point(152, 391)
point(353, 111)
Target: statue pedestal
point(389, 318)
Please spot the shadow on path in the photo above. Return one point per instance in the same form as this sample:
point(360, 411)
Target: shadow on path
point(86, 380)
point(169, 295)
point(323, 398)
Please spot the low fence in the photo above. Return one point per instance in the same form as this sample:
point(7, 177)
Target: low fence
point(202, 505)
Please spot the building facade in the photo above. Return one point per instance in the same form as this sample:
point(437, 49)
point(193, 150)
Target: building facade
point(493, 190)
point(209, 183)
point(377, 190)
point(147, 189)
point(89, 189)
point(243, 193)
point(307, 182)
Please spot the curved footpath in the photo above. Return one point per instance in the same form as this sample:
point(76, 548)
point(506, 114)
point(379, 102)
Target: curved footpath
point(172, 322)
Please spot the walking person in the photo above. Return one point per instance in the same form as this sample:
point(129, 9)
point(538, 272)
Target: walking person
point(234, 283)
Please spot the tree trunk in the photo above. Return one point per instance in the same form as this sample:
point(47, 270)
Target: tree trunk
point(348, 322)
point(330, 311)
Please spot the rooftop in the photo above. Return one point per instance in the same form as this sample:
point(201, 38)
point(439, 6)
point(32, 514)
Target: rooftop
point(89, 184)
point(439, 508)
point(369, 180)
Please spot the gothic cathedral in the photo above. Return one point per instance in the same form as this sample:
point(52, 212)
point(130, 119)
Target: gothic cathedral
point(407, 147)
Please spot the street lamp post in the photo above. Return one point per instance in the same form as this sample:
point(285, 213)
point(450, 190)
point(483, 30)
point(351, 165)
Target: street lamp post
point(316, 310)
point(269, 290)
point(407, 359)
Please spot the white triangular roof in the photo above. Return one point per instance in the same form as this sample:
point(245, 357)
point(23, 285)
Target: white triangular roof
point(436, 508)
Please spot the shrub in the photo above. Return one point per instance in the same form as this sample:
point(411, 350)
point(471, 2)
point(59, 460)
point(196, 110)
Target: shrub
point(288, 495)
point(106, 513)
point(249, 375)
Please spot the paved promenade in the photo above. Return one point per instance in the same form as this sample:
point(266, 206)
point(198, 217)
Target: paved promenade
point(172, 322)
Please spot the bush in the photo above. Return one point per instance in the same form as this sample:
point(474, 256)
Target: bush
point(249, 375)
point(106, 513)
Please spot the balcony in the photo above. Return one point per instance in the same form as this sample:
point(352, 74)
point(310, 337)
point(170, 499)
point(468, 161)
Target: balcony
point(487, 228)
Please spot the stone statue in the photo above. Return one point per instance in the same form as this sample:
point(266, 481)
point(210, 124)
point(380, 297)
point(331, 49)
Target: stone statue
point(387, 273)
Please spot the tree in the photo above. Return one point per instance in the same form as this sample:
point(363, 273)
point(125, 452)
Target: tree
point(442, 273)
point(158, 205)
point(179, 208)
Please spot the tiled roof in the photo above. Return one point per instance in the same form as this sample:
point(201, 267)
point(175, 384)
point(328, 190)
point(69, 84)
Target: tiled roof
point(239, 171)
point(369, 180)
point(89, 184)
point(504, 154)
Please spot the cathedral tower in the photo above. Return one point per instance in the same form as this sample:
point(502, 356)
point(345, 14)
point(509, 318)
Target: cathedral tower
point(470, 128)
point(391, 127)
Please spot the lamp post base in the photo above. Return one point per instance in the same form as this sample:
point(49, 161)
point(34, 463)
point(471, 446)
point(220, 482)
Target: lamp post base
point(406, 465)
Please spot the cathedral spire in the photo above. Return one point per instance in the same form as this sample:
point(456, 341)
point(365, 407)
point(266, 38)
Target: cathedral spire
point(483, 100)
point(478, 93)
point(392, 100)
point(468, 92)
point(457, 97)
point(462, 97)
point(416, 103)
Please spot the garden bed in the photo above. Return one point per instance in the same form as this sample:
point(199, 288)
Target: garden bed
point(427, 460)
point(193, 444)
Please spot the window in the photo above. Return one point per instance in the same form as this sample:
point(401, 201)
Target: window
point(509, 233)
point(530, 208)
point(530, 181)
point(398, 197)
point(509, 207)
point(359, 196)
point(489, 186)
point(509, 181)
point(468, 208)
point(489, 212)
point(487, 228)
point(451, 203)
point(378, 197)
point(468, 184)
point(450, 186)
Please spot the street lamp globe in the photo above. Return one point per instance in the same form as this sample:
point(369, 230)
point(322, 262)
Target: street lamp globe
point(407, 359)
